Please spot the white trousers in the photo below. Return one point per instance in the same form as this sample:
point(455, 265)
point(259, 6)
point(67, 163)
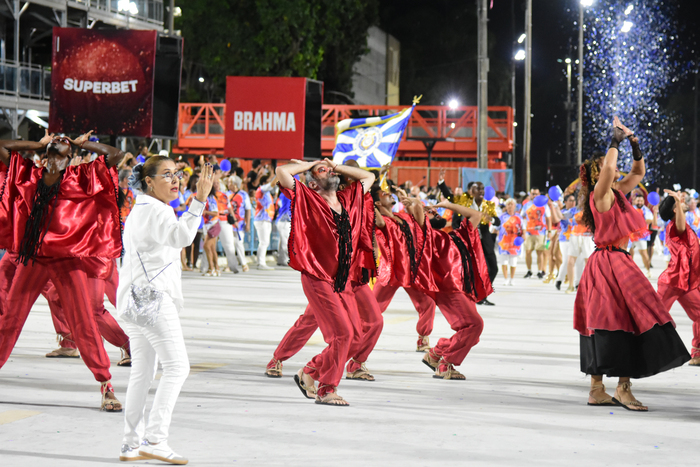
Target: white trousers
point(228, 243)
point(283, 227)
point(238, 237)
point(162, 342)
point(263, 229)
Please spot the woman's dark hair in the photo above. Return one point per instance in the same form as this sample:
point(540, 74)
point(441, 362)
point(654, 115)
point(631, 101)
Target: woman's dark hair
point(375, 191)
point(569, 196)
point(589, 173)
point(192, 184)
point(137, 181)
point(666, 208)
point(263, 179)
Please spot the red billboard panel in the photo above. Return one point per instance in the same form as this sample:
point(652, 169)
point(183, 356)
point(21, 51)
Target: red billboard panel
point(102, 80)
point(265, 117)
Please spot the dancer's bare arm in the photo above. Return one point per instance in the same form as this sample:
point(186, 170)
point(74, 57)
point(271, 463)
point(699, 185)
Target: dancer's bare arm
point(7, 146)
point(473, 215)
point(285, 173)
point(680, 215)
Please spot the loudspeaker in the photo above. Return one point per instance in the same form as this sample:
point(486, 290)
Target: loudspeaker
point(312, 118)
point(166, 86)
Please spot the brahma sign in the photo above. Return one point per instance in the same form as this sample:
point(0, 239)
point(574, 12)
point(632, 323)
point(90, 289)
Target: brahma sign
point(102, 80)
point(266, 117)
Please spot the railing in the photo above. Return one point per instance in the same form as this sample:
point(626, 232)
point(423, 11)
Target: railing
point(150, 11)
point(201, 127)
point(34, 80)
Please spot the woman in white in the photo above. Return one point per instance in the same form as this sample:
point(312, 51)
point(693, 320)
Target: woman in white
point(153, 238)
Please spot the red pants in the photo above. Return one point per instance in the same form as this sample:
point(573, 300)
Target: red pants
point(339, 320)
point(20, 286)
point(370, 317)
point(461, 313)
point(690, 301)
point(108, 326)
point(425, 306)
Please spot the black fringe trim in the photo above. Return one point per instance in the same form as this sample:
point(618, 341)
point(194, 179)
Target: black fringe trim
point(342, 222)
point(36, 227)
point(467, 272)
point(408, 236)
point(4, 183)
point(292, 205)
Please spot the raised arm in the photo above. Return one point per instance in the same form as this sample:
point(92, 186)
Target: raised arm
point(113, 155)
point(602, 194)
point(636, 174)
point(364, 176)
point(285, 173)
point(7, 146)
point(680, 215)
point(473, 215)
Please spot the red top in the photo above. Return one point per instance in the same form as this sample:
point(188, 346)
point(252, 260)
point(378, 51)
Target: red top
point(615, 225)
point(682, 271)
point(364, 265)
point(313, 240)
point(395, 265)
point(82, 222)
point(448, 261)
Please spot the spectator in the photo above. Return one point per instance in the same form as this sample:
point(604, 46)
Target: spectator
point(264, 213)
point(240, 207)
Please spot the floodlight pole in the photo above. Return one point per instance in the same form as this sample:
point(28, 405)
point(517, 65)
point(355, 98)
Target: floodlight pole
point(483, 129)
point(579, 118)
point(528, 92)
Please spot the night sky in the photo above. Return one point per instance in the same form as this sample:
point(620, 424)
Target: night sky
point(554, 38)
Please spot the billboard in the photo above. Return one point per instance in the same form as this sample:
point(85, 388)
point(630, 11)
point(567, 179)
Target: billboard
point(102, 80)
point(272, 118)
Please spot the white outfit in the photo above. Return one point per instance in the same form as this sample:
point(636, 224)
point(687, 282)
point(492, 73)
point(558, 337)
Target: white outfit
point(283, 227)
point(263, 229)
point(509, 260)
point(157, 236)
point(581, 246)
point(229, 244)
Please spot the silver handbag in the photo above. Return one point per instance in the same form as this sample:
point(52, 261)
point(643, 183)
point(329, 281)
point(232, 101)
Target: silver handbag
point(143, 305)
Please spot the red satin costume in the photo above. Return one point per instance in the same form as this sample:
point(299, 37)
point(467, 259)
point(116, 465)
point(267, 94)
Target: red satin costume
point(109, 328)
point(315, 246)
point(395, 270)
point(681, 279)
point(458, 268)
point(625, 328)
point(82, 230)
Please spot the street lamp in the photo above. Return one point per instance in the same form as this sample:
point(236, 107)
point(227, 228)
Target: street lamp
point(520, 55)
point(579, 119)
point(453, 104)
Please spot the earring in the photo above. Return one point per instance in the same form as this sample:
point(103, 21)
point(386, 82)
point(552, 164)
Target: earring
point(150, 188)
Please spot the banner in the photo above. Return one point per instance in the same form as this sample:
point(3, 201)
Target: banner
point(102, 80)
point(265, 117)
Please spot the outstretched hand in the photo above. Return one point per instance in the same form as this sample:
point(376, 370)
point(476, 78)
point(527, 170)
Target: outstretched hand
point(205, 182)
point(677, 195)
point(46, 139)
point(82, 139)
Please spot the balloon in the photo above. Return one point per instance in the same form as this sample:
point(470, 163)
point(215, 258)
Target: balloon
point(653, 198)
point(489, 193)
point(518, 241)
point(225, 165)
point(141, 159)
point(540, 201)
point(554, 193)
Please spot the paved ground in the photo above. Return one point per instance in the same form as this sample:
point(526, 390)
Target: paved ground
point(524, 401)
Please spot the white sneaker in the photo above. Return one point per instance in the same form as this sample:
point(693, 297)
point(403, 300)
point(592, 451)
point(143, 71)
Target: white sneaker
point(510, 281)
point(265, 267)
point(161, 452)
point(129, 454)
point(506, 282)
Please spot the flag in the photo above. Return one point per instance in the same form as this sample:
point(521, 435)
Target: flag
point(371, 141)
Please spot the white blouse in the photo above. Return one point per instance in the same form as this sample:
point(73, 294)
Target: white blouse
point(154, 232)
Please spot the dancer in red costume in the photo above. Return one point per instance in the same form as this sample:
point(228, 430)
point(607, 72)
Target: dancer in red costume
point(370, 316)
point(327, 233)
point(109, 328)
point(401, 242)
point(458, 268)
point(625, 330)
point(681, 279)
point(58, 223)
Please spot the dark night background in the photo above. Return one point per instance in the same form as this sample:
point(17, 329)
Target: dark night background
point(439, 60)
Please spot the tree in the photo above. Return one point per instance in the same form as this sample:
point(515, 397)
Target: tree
point(318, 39)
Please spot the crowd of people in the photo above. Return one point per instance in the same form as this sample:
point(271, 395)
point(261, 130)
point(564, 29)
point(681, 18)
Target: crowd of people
point(356, 237)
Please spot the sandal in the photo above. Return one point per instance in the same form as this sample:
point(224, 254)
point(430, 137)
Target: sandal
point(430, 360)
point(607, 401)
point(274, 369)
point(209, 273)
point(109, 404)
point(423, 344)
point(633, 405)
point(308, 392)
point(447, 371)
point(694, 357)
point(245, 268)
point(126, 358)
point(361, 373)
point(331, 398)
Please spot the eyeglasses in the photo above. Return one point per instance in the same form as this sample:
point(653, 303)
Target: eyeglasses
point(168, 177)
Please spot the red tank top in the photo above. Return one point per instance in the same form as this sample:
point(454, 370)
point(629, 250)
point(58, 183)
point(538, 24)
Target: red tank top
point(615, 224)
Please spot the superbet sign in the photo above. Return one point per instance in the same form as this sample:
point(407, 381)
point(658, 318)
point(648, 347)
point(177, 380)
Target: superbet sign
point(266, 117)
point(102, 80)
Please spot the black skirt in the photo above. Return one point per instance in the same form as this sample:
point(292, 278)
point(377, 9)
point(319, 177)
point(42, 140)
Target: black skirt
point(620, 353)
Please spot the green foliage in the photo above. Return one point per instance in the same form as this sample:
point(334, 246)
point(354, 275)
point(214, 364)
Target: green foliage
point(318, 39)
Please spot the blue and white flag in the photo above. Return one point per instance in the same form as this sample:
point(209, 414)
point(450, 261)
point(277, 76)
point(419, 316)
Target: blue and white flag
point(371, 141)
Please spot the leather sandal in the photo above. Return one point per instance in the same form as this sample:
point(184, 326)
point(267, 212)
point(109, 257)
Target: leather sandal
point(126, 358)
point(446, 371)
point(361, 373)
point(423, 344)
point(430, 361)
point(633, 405)
point(308, 391)
point(332, 398)
point(109, 404)
point(606, 401)
point(694, 357)
point(274, 369)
